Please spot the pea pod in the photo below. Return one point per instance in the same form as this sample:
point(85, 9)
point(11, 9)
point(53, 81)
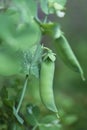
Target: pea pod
point(66, 54)
point(46, 83)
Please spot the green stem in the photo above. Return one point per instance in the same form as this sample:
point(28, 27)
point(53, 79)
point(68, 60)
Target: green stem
point(34, 128)
point(45, 48)
point(45, 19)
point(22, 95)
point(49, 50)
point(14, 127)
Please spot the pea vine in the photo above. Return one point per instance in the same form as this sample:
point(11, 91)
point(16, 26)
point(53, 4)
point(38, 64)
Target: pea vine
point(23, 56)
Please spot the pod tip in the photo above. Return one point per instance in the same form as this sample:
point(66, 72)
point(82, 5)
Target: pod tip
point(83, 77)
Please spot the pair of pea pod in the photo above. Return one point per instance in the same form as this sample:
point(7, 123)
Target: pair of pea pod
point(47, 70)
point(62, 47)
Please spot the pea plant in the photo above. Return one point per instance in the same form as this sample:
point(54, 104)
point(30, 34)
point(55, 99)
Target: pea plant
point(23, 55)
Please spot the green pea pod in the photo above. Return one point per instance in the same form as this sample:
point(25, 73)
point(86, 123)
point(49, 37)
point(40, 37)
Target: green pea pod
point(46, 83)
point(66, 54)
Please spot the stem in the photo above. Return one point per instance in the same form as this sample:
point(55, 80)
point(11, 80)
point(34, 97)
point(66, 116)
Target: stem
point(45, 19)
point(22, 95)
point(47, 49)
point(38, 21)
point(34, 128)
point(14, 127)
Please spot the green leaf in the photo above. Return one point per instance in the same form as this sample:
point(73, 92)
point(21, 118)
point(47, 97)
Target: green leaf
point(27, 8)
point(15, 126)
point(8, 103)
point(12, 92)
point(3, 93)
point(14, 62)
point(36, 61)
point(37, 54)
point(49, 122)
point(49, 126)
point(70, 119)
point(32, 6)
point(25, 36)
point(34, 70)
point(3, 126)
point(49, 55)
point(44, 7)
point(33, 114)
point(61, 2)
point(26, 63)
point(31, 61)
point(50, 119)
point(10, 61)
point(19, 35)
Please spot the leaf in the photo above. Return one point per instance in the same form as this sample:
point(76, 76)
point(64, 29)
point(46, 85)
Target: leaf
point(33, 114)
point(19, 34)
point(26, 62)
point(50, 122)
point(12, 92)
point(10, 61)
point(8, 103)
point(70, 119)
point(34, 70)
point(61, 2)
point(50, 119)
point(3, 93)
point(6, 109)
point(36, 61)
point(37, 55)
point(32, 6)
point(44, 7)
point(15, 126)
point(31, 61)
point(3, 127)
point(49, 55)
point(27, 8)
point(49, 126)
